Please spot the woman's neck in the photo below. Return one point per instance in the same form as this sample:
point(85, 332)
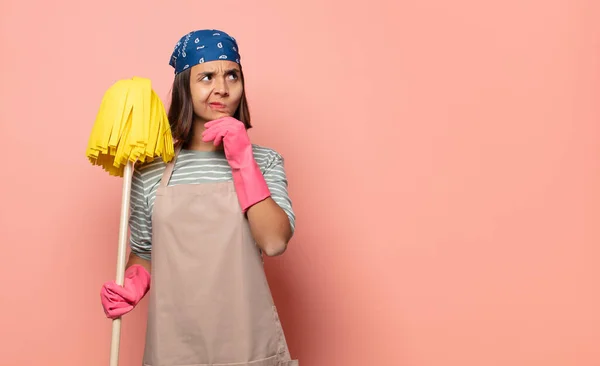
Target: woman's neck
point(196, 142)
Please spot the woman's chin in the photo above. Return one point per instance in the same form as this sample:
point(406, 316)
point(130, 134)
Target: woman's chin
point(213, 116)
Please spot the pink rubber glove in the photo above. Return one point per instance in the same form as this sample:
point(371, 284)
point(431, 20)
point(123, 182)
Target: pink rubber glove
point(119, 300)
point(250, 185)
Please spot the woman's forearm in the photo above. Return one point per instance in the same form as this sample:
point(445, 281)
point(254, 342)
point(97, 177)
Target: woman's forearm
point(135, 259)
point(270, 227)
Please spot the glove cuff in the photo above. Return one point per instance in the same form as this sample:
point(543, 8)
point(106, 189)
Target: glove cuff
point(140, 275)
point(250, 185)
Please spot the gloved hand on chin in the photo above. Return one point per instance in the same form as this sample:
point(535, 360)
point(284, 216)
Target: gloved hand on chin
point(250, 185)
point(119, 300)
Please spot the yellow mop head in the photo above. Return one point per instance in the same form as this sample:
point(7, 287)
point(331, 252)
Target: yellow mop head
point(131, 125)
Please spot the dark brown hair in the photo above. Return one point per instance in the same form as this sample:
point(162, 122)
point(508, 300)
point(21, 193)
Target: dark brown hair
point(181, 109)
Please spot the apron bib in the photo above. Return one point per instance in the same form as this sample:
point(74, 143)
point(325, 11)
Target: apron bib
point(210, 303)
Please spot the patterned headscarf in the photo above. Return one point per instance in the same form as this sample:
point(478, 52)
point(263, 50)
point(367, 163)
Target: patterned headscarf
point(202, 46)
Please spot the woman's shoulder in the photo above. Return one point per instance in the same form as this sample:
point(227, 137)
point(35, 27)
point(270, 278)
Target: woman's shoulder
point(266, 157)
point(149, 172)
point(266, 152)
point(149, 166)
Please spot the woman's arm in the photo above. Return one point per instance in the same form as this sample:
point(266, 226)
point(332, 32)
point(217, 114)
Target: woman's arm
point(135, 259)
point(270, 227)
point(140, 224)
point(272, 220)
point(262, 192)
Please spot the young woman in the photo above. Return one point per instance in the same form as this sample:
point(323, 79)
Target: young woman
point(200, 224)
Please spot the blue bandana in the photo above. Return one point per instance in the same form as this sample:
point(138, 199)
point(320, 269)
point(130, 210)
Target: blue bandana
point(202, 46)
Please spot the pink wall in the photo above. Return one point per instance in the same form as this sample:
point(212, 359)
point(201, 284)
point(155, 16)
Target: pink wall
point(449, 214)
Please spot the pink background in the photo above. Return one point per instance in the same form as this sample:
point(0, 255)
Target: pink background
point(442, 158)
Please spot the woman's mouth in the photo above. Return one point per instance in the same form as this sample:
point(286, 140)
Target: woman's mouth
point(217, 105)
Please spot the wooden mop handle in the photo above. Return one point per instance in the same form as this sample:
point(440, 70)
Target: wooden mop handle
point(121, 258)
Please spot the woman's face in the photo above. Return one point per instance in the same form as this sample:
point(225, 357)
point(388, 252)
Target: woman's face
point(216, 88)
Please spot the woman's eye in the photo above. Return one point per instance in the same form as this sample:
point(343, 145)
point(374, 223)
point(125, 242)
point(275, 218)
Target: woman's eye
point(232, 76)
point(205, 78)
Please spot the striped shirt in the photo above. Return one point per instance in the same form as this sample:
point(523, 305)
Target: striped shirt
point(196, 167)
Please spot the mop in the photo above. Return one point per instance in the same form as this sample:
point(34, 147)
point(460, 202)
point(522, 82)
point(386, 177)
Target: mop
point(131, 126)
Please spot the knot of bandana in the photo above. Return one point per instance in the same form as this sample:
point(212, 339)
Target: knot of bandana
point(202, 46)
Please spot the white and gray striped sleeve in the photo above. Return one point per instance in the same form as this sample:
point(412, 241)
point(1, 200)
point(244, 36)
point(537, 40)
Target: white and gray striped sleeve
point(140, 225)
point(278, 185)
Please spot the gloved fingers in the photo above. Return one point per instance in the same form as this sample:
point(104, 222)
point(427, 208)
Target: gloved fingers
point(225, 124)
point(115, 310)
point(209, 135)
point(107, 292)
point(219, 137)
point(214, 134)
point(117, 292)
point(110, 297)
point(113, 304)
point(220, 121)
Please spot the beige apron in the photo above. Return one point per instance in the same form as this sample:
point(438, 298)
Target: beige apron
point(209, 303)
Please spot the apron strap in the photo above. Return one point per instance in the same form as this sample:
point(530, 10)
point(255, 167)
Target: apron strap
point(169, 169)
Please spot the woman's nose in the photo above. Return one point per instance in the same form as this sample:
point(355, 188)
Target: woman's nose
point(221, 87)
